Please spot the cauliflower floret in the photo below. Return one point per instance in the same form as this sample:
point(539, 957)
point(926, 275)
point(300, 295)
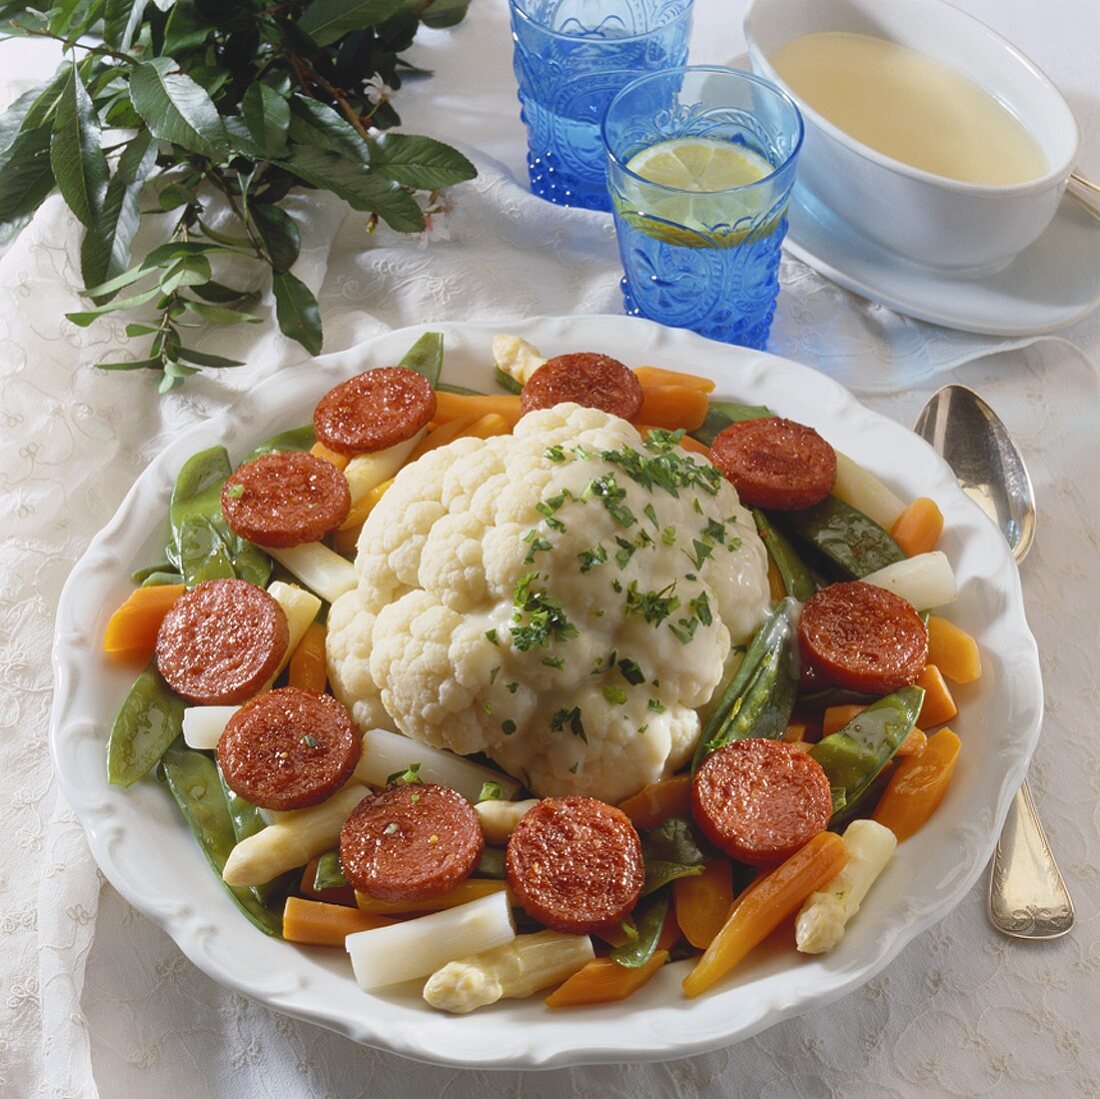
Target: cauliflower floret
point(562, 599)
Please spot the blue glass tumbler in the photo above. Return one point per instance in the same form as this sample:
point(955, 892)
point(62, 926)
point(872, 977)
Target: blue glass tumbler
point(695, 257)
point(570, 58)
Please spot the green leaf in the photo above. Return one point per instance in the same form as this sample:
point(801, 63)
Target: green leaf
point(186, 271)
point(153, 363)
point(204, 358)
point(224, 295)
point(297, 312)
point(443, 13)
point(86, 316)
point(105, 250)
point(357, 186)
point(649, 919)
point(220, 315)
point(420, 162)
point(327, 21)
point(313, 123)
point(76, 152)
point(186, 31)
point(177, 109)
point(121, 19)
point(26, 179)
point(279, 234)
point(29, 112)
point(267, 115)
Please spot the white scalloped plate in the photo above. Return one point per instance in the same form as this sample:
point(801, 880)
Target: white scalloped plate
point(146, 852)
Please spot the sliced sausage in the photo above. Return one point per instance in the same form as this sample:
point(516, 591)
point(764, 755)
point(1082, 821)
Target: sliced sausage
point(774, 463)
point(410, 842)
point(289, 749)
point(374, 410)
point(760, 800)
point(595, 381)
point(285, 499)
point(863, 637)
point(221, 642)
point(575, 864)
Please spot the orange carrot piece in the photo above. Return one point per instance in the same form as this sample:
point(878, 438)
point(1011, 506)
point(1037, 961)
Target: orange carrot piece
point(131, 633)
point(344, 895)
point(918, 528)
point(836, 717)
point(672, 406)
point(917, 787)
point(795, 731)
point(913, 744)
point(360, 510)
point(485, 427)
point(761, 908)
point(307, 664)
point(702, 902)
point(315, 923)
point(448, 406)
point(440, 435)
point(655, 803)
point(953, 651)
point(602, 981)
point(340, 461)
point(938, 705)
point(470, 890)
point(670, 931)
point(696, 447)
point(658, 375)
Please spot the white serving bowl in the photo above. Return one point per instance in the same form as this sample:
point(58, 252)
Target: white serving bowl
point(928, 219)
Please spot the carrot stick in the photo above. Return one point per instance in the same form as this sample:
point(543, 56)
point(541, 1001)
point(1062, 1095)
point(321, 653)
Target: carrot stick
point(917, 787)
point(836, 717)
point(913, 744)
point(794, 733)
point(131, 632)
point(702, 902)
point(918, 528)
point(655, 803)
point(672, 406)
point(359, 511)
point(938, 705)
point(340, 461)
point(603, 981)
point(315, 923)
point(766, 903)
point(450, 405)
point(470, 890)
point(953, 651)
point(657, 375)
point(440, 436)
point(307, 665)
point(492, 423)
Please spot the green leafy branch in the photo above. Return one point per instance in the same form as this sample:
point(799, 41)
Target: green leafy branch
point(216, 110)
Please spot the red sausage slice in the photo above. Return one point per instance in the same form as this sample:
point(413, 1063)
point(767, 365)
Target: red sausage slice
point(774, 463)
point(374, 410)
point(862, 637)
point(760, 800)
point(410, 842)
point(221, 642)
point(575, 864)
point(289, 749)
point(285, 499)
point(595, 381)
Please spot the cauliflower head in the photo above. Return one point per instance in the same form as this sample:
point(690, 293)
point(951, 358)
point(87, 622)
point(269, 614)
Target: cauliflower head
point(561, 599)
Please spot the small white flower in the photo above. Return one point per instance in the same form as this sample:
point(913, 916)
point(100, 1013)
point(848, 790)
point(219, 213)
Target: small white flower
point(377, 90)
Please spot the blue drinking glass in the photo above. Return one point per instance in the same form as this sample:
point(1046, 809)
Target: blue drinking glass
point(570, 58)
point(695, 257)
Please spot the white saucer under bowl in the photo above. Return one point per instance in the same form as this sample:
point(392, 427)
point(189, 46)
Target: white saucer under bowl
point(1048, 286)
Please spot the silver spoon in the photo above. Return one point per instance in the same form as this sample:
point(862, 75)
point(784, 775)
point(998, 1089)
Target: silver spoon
point(1028, 898)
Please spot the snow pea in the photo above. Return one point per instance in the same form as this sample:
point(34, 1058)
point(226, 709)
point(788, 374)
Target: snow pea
point(491, 864)
point(297, 438)
point(461, 390)
point(672, 850)
point(649, 921)
point(506, 381)
point(329, 873)
point(853, 756)
point(796, 577)
point(759, 697)
point(426, 357)
point(847, 542)
point(159, 579)
point(192, 777)
point(139, 576)
point(723, 413)
point(150, 719)
point(204, 548)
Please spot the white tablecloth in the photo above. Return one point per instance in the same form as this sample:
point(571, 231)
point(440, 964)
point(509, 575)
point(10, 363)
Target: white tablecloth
point(95, 999)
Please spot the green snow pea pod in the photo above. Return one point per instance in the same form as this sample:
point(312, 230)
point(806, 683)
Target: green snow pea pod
point(853, 756)
point(672, 850)
point(723, 413)
point(192, 777)
point(796, 577)
point(426, 357)
point(506, 381)
point(139, 576)
point(329, 873)
point(159, 579)
point(204, 547)
point(848, 542)
point(150, 719)
point(649, 920)
point(297, 438)
point(491, 864)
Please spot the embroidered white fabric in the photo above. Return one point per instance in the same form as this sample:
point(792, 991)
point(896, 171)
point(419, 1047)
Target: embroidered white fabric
point(96, 1000)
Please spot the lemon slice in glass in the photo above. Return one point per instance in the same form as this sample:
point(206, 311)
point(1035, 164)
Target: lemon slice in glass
point(703, 175)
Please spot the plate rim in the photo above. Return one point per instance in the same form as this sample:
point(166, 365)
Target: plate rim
point(75, 645)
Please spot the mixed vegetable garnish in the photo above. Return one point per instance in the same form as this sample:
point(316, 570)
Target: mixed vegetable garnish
point(824, 744)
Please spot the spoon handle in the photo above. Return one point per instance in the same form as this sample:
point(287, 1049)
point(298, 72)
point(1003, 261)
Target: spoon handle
point(1027, 897)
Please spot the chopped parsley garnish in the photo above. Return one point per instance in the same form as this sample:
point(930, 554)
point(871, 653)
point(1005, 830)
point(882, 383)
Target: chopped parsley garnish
point(589, 559)
point(615, 695)
point(492, 636)
point(571, 719)
point(715, 531)
point(631, 672)
point(573, 769)
point(490, 791)
point(553, 661)
point(626, 551)
point(611, 494)
point(616, 587)
point(668, 536)
point(487, 706)
point(511, 687)
point(546, 618)
point(700, 607)
point(734, 544)
point(651, 515)
point(697, 506)
point(548, 508)
point(493, 675)
point(556, 453)
point(703, 551)
point(235, 491)
point(684, 630)
point(663, 468)
point(653, 606)
point(642, 728)
point(410, 775)
point(310, 741)
point(537, 544)
point(508, 726)
point(391, 829)
point(655, 706)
